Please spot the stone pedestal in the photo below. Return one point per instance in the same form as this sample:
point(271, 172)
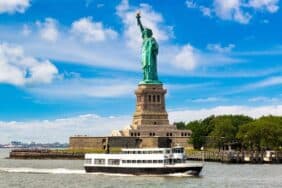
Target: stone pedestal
point(150, 118)
point(150, 106)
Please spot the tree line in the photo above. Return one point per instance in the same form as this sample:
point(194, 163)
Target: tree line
point(248, 133)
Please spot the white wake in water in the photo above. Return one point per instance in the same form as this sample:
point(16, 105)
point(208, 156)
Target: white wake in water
point(42, 171)
point(73, 171)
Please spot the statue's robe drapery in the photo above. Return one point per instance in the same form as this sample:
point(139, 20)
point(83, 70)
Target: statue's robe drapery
point(149, 59)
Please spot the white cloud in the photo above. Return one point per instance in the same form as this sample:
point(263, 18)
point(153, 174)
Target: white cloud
point(241, 11)
point(272, 81)
point(220, 49)
point(231, 10)
point(255, 112)
point(60, 129)
point(193, 5)
point(150, 19)
point(209, 99)
point(80, 88)
point(26, 30)
point(91, 31)
point(18, 69)
point(206, 11)
point(12, 6)
point(71, 49)
point(186, 58)
point(264, 99)
point(48, 30)
point(95, 125)
point(269, 5)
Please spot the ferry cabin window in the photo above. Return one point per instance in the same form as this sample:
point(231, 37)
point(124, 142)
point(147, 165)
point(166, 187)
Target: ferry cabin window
point(177, 150)
point(99, 161)
point(177, 161)
point(88, 161)
point(113, 161)
point(142, 161)
point(157, 152)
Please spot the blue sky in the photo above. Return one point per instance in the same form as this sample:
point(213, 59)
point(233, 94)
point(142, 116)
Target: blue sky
point(72, 66)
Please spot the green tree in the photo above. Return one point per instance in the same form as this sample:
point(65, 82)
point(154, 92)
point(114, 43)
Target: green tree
point(263, 133)
point(224, 131)
point(225, 128)
point(180, 125)
point(197, 137)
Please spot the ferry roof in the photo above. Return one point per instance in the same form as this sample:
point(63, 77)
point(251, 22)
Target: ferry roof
point(148, 149)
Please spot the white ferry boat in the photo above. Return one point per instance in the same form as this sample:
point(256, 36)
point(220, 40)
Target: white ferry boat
point(143, 161)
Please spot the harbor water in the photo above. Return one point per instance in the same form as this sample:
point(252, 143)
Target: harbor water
point(70, 173)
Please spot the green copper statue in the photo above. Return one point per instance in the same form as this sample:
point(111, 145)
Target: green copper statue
point(149, 55)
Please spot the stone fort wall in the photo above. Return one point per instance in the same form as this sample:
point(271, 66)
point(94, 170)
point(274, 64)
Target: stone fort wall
point(85, 142)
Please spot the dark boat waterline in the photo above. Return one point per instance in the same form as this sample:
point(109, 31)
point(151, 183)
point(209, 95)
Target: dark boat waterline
point(195, 171)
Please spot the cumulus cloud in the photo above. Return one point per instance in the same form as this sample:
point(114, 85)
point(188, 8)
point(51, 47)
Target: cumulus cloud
point(186, 58)
point(231, 10)
point(240, 11)
point(18, 69)
point(13, 6)
point(71, 47)
point(48, 30)
point(150, 19)
point(91, 31)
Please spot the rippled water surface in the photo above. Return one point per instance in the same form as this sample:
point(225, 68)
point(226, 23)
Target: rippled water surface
point(70, 173)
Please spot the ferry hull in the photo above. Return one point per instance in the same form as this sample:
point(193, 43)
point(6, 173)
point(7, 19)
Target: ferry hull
point(195, 170)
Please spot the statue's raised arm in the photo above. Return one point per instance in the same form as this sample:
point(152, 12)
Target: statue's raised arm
point(138, 16)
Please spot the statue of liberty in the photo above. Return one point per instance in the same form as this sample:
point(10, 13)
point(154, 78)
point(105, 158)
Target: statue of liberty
point(149, 55)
